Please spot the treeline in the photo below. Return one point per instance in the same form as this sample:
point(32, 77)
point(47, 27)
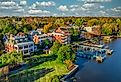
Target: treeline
point(24, 24)
point(109, 25)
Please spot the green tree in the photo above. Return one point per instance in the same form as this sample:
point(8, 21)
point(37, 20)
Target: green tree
point(79, 22)
point(65, 53)
point(11, 58)
point(54, 49)
point(59, 22)
point(106, 29)
point(93, 22)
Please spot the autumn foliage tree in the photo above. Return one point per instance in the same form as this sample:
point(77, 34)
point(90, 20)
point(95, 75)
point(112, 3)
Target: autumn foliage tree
point(46, 27)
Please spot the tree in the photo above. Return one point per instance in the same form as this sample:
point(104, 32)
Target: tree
point(46, 27)
point(11, 58)
point(54, 49)
point(106, 29)
point(65, 53)
point(93, 22)
point(8, 28)
point(59, 22)
point(46, 43)
point(79, 22)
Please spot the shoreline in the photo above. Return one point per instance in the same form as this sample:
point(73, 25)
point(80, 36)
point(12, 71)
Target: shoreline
point(70, 73)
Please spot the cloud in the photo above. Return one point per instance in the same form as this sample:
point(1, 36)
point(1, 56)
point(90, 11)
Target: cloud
point(101, 6)
point(37, 11)
point(19, 10)
point(23, 2)
point(41, 7)
point(63, 8)
point(44, 3)
point(33, 6)
point(118, 9)
point(88, 5)
point(95, 1)
point(9, 5)
point(73, 6)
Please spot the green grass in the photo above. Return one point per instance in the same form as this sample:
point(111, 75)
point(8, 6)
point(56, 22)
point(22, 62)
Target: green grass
point(60, 69)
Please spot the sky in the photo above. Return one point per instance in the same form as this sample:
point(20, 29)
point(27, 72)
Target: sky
point(60, 8)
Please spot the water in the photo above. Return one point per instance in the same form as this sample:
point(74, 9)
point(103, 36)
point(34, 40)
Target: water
point(108, 71)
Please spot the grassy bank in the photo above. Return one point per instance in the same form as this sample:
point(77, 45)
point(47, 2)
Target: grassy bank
point(43, 70)
point(59, 70)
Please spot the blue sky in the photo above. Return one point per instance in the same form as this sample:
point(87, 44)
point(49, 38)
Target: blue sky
point(60, 7)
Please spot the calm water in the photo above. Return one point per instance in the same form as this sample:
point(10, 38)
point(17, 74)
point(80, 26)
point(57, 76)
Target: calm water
point(108, 71)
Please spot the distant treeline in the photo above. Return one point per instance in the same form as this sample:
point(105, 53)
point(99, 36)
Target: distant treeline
point(109, 25)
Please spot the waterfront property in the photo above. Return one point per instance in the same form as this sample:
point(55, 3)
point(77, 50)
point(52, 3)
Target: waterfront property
point(20, 43)
point(62, 34)
point(91, 32)
point(92, 51)
point(39, 39)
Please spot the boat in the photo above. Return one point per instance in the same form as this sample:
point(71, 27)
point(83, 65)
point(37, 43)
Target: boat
point(109, 52)
point(99, 59)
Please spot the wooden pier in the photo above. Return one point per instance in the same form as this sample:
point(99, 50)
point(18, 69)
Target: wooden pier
point(93, 52)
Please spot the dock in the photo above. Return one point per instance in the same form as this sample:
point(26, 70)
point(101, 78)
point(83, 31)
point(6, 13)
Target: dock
point(92, 51)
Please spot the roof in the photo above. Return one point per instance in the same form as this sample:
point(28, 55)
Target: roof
point(42, 35)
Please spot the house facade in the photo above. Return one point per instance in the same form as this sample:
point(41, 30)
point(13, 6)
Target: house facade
point(39, 39)
point(62, 35)
point(20, 43)
point(90, 32)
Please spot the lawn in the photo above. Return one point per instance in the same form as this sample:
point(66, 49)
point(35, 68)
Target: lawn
point(60, 69)
point(34, 73)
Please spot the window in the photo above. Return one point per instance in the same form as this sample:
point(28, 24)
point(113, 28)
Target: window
point(31, 50)
point(25, 51)
point(30, 45)
point(26, 46)
point(20, 47)
point(42, 41)
point(15, 48)
point(39, 38)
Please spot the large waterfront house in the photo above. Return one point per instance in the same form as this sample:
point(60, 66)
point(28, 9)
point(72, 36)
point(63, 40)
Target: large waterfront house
point(61, 34)
point(20, 43)
point(90, 32)
point(38, 37)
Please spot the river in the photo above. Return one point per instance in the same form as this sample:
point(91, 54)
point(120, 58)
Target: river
point(108, 71)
